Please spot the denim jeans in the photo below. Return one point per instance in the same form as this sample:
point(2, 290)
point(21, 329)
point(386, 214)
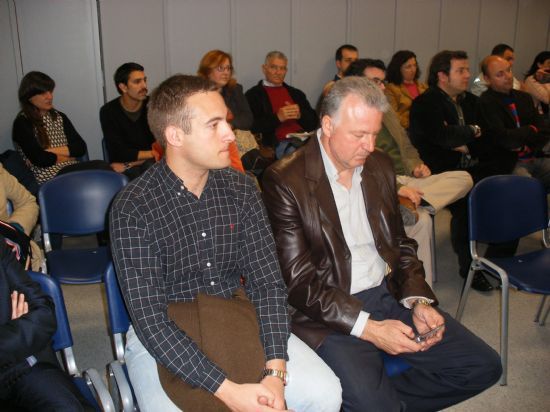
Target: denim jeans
point(312, 386)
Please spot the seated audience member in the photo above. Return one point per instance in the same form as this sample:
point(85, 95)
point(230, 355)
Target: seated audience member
point(507, 53)
point(428, 192)
point(30, 376)
point(190, 225)
point(44, 136)
point(217, 66)
point(124, 122)
point(344, 56)
point(537, 82)
point(24, 213)
point(278, 109)
point(443, 128)
point(511, 122)
point(403, 85)
point(356, 286)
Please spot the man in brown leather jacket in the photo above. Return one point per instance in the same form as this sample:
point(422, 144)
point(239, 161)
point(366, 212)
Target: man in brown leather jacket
point(356, 286)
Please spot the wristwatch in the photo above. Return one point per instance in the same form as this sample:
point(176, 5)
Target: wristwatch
point(421, 301)
point(127, 165)
point(282, 375)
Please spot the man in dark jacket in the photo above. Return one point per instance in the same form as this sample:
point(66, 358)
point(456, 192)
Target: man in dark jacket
point(278, 109)
point(444, 129)
point(124, 122)
point(356, 287)
point(30, 377)
point(510, 121)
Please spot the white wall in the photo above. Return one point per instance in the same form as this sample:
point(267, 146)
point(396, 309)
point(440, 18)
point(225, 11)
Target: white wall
point(59, 37)
point(170, 36)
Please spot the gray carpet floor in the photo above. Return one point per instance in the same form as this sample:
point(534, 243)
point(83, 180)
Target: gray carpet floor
point(528, 386)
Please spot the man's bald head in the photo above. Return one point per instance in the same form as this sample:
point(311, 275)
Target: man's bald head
point(497, 73)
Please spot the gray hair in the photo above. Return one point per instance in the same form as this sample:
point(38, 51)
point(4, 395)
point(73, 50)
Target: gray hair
point(275, 55)
point(366, 89)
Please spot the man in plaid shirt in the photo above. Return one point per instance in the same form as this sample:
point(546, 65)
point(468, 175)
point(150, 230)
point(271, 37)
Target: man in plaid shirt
point(188, 225)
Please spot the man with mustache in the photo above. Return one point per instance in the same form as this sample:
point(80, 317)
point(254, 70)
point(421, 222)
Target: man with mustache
point(124, 122)
point(278, 109)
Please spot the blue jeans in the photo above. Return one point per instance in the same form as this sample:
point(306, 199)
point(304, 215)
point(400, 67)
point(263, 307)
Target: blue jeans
point(312, 385)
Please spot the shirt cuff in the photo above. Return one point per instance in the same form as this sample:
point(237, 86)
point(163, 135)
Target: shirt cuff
point(407, 302)
point(360, 324)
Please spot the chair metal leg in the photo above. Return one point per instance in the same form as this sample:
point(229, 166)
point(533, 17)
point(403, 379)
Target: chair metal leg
point(505, 292)
point(432, 247)
point(465, 291)
point(539, 311)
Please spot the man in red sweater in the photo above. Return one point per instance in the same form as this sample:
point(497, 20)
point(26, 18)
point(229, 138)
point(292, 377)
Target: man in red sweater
point(279, 109)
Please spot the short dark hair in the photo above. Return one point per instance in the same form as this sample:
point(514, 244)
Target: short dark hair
point(339, 50)
point(500, 49)
point(358, 67)
point(168, 103)
point(394, 67)
point(441, 62)
point(122, 74)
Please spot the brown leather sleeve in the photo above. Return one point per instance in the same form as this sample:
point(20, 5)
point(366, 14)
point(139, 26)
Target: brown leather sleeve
point(312, 276)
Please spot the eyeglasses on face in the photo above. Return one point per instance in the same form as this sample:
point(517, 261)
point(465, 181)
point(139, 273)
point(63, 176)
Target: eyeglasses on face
point(378, 81)
point(222, 69)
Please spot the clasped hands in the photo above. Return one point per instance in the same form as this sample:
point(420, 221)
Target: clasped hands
point(266, 396)
point(289, 112)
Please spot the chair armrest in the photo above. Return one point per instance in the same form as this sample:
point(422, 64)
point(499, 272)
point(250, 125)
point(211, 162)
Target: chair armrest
point(118, 382)
point(96, 384)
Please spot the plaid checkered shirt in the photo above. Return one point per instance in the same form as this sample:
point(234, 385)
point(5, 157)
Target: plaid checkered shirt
point(168, 245)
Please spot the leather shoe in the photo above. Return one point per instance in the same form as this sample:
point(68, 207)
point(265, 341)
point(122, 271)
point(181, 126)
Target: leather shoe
point(480, 283)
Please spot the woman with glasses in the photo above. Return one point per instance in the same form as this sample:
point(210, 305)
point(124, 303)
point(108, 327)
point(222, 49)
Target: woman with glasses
point(217, 66)
point(403, 85)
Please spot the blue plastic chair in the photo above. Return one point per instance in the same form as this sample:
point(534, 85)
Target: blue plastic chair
point(119, 382)
point(501, 209)
point(394, 365)
point(89, 383)
point(77, 204)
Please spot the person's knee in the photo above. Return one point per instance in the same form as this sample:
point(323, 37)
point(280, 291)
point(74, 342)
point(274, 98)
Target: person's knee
point(490, 368)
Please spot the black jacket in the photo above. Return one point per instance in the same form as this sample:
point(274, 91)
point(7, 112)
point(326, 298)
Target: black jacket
point(24, 136)
point(435, 130)
point(123, 137)
point(265, 121)
point(30, 334)
point(499, 125)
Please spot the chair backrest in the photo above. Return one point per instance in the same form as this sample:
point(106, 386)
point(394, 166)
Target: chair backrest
point(118, 315)
point(50, 286)
point(508, 207)
point(63, 338)
point(76, 203)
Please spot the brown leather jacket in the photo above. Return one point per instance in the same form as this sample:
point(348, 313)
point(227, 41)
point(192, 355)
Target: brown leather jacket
point(314, 257)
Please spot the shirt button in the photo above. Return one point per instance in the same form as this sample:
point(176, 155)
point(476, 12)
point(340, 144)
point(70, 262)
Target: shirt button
point(179, 194)
point(212, 283)
point(208, 264)
point(203, 234)
point(181, 187)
